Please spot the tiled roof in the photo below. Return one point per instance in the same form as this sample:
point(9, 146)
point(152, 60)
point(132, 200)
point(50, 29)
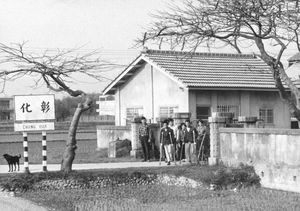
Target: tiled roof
point(295, 57)
point(214, 70)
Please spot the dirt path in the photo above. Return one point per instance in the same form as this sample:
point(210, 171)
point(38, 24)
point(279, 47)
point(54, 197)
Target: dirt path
point(11, 203)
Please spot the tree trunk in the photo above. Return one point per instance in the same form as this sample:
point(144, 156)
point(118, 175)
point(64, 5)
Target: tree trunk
point(69, 153)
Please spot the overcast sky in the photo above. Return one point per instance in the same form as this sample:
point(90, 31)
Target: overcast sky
point(108, 25)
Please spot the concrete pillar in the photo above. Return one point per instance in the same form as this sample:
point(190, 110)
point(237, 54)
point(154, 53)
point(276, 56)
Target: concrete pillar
point(192, 104)
point(214, 101)
point(136, 150)
point(215, 123)
point(245, 103)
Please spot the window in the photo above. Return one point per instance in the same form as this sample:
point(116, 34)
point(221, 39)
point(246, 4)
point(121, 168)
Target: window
point(4, 104)
point(202, 112)
point(229, 109)
point(4, 116)
point(133, 112)
point(267, 115)
point(167, 111)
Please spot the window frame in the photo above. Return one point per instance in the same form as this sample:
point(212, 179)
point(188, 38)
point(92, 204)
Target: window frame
point(266, 117)
point(134, 114)
point(225, 108)
point(204, 106)
point(168, 107)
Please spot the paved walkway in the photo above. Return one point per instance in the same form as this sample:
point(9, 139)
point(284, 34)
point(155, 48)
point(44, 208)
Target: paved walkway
point(56, 167)
point(10, 203)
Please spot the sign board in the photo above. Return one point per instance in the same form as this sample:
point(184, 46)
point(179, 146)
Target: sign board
point(34, 112)
point(107, 107)
point(34, 107)
point(27, 126)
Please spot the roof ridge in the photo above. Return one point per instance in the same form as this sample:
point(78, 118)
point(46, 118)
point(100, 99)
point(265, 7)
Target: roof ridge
point(152, 51)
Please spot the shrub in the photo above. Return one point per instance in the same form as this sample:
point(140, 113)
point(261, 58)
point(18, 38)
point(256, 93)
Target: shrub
point(241, 177)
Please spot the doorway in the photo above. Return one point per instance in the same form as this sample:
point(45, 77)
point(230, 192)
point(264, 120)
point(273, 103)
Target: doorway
point(203, 112)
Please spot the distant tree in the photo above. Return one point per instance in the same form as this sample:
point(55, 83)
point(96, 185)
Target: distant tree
point(62, 110)
point(55, 70)
point(65, 107)
point(235, 23)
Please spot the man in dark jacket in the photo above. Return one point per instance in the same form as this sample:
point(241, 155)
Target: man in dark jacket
point(144, 136)
point(190, 141)
point(167, 140)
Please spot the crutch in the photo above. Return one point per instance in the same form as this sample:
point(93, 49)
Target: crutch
point(160, 153)
point(160, 147)
point(173, 149)
point(200, 149)
point(181, 150)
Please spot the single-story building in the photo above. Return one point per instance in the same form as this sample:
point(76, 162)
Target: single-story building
point(159, 83)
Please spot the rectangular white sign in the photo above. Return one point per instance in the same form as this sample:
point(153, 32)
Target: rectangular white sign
point(34, 126)
point(34, 107)
point(107, 107)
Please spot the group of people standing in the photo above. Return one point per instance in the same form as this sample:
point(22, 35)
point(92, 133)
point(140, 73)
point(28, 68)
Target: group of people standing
point(178, 142)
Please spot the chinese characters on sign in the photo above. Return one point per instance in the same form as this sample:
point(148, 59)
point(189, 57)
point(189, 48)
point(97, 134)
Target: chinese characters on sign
point(45, 107)
point(34, 107)
point(25, 108)
point(33, 112)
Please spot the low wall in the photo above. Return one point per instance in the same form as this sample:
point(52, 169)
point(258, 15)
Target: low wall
point(12, 143)
point(106, 134)
point(51, 136)
point(86, 151)
point(274, 153)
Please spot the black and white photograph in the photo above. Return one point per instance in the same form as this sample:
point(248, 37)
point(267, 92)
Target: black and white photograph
point(120, 105)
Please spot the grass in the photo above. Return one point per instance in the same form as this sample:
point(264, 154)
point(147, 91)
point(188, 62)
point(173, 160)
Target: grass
point(153, 197)
point(159, 197)
point(86, 152)
point(203, 174)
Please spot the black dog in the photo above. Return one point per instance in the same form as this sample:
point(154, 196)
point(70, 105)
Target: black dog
point(12, 161)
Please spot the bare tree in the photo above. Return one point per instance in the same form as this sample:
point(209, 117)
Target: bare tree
point(55, 70)
point(234, 23)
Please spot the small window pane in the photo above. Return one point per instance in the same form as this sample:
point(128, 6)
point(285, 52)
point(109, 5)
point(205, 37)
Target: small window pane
point(133, 112)
point(267, 115)
point(235, 109)
point(167, 111)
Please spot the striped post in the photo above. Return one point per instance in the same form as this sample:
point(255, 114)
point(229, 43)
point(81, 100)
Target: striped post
point(25, 146)
point(44, 152)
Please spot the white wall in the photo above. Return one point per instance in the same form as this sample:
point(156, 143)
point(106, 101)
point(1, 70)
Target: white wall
point(272, 100)
point(137, 92)
point(249, 101)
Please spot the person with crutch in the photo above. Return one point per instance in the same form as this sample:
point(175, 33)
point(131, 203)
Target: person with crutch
point(201, 132)
point(182, 141)
point(175, 129)
point(201, 152)
point(166, 141)
point(190, 142)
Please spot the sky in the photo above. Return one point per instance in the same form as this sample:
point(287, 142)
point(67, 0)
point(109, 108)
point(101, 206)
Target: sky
point(109, 26)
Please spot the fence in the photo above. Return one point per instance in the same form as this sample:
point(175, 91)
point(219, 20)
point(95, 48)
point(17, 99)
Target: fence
point(274, 153)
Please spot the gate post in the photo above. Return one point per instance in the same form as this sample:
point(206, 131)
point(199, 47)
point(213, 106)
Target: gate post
point(136, 150)
point(215, 122)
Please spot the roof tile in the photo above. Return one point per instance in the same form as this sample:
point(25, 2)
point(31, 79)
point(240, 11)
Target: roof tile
point(214, 69)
